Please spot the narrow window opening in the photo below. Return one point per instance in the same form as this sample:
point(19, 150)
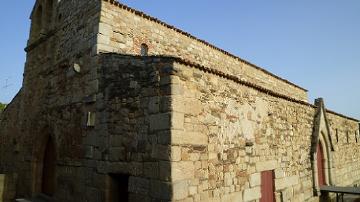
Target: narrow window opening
point(144, 50)
point(267, 186)
point(356, 137)
point(118, 188)
point(337, 135)
point(347, 137)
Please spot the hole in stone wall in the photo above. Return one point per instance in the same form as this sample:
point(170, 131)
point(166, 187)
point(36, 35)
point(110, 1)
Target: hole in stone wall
point(144, 50)
point(347, 137)
point(118, 190)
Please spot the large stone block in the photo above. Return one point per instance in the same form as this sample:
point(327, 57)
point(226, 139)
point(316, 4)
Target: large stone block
point(139, 185)
point(255, 180)
point(161, 190)
point(160, 121)
point(232, 197)
point(286, 182)
point(266, 165)
point(182, 170)
point(252, 194)
point(177, 120)
point(180, 190)
point(179, 137)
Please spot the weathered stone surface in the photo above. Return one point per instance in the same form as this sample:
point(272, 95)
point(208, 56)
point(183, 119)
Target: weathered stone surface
point(182, 170)
point(266, 165)
point(255, 180)
point(181, 190)
point(252, 194)
point(286, 182)
point(198, 128)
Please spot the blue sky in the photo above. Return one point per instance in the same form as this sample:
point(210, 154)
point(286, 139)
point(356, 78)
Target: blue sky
point(315, 44)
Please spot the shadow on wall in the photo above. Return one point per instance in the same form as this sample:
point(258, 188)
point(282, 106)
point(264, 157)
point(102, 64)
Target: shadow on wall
point(137, 92)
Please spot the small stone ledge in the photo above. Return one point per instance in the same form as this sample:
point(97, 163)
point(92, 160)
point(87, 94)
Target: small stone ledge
point(39, 41)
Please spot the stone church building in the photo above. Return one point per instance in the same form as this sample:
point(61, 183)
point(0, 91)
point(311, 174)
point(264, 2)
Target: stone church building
point(117, 105)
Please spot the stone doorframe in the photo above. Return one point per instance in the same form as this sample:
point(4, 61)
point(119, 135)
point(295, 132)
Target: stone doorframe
point(38, 155)
point(321, 135)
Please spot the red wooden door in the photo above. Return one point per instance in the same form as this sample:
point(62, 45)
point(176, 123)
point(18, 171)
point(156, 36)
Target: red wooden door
point(267, 186)
point(320, 165)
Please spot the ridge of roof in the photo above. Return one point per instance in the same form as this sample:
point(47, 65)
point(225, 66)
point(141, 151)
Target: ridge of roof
point(148, 17)
point(232, 78)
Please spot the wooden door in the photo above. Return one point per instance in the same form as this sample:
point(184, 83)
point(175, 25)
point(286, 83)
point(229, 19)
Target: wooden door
point(320, 165)
point(49, 166)
point(267, 186)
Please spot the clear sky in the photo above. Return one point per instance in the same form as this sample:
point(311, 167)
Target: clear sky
point(315, 44)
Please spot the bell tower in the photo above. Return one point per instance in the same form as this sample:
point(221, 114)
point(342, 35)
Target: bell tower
point(42, 18)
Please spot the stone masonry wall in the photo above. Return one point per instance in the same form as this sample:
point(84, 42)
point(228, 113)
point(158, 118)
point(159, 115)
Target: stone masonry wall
point(346, 158)
point(123, 31)
point(53, 103)
point(232, 132)
point(136, 119)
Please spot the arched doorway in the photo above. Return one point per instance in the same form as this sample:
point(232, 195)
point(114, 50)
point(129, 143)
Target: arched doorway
point(48, 179)
point(320, 165)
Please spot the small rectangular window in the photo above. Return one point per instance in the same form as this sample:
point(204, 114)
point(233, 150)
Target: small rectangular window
point(356, 137)
point(337, 135)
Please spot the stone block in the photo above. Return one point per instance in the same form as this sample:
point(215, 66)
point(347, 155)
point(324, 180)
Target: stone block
point(117, 154)
point(154, 105)
point(161, 152)
point(252, 194)
point(139, 185)
point(179, 137)
point(182, 170)
point(255, 179)
point(193, 190)
point(151, 169)
point(160, 121)
point(161, 190)
point(180, 190)
point(236, 196)
point(165, 170)
point(279, 173)
point(286, 182)
point(175, 153)
point(105, 29)
point(266, 165)
point(177, 120)
point(103, 39)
